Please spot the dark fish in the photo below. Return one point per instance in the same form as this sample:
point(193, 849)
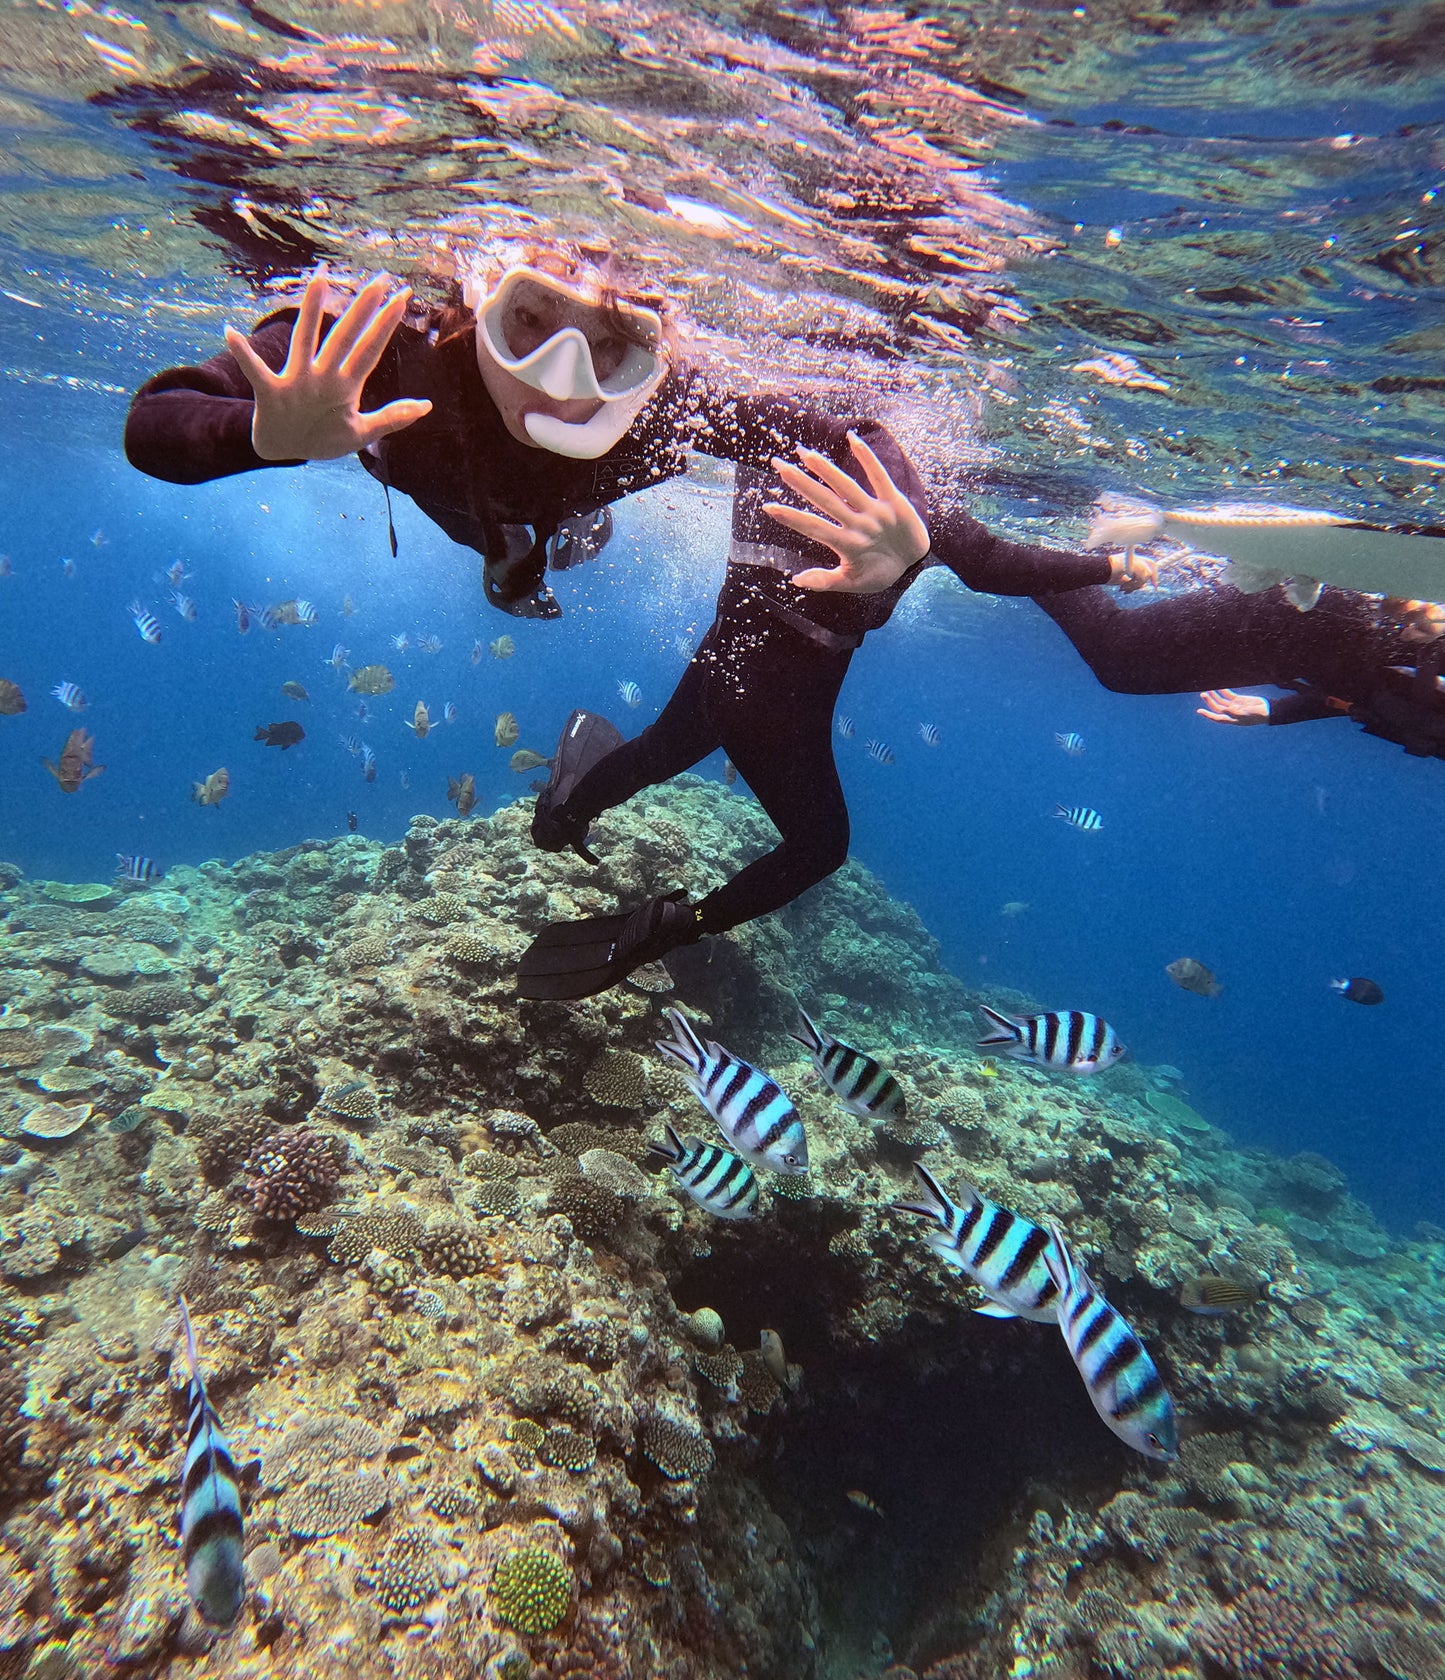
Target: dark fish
point(1067, 1041)
point(1359, 990)
point(730, 772)
point(281, 735)
point(1126, 1389)
point(862, 1086)
point(75, 762)
point(1214, 1297)
point(462, 791)
point(775, 1361)
point(243, 616)
point(351, 822)
point(525, 759)
point(12, 701)
point(211, 1534)
point(1193, 977)
point(294, 691)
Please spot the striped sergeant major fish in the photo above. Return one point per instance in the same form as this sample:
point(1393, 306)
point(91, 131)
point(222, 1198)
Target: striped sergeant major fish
point(846, 726)
point(880, 752)
point(145, 622)
point(715, 1179)
point(136, 868)
point(1126, 1389)
point(750, 1110)
point(69, 696)
point(210, 1504)
point(306, 613)
point(1072, 744)
point(929, 734)
point(999, 1251)
point(1064, 1041)
point(1080, 816)
point(184, 605)
point(859, 1083)
point(630, 693)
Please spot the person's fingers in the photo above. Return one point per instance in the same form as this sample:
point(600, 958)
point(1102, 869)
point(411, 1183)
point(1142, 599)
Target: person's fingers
point(841, 483)
point(814, 491)
point(874, 471)
point(255, 370)
point(806, 525)
point(371, 343)
point(1214, 717)
point(349, 326)
point(403, 412)
point(302, 348)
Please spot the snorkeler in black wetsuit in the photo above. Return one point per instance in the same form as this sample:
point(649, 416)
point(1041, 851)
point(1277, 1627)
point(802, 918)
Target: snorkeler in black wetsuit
point(763, 686)
point(1375, 660)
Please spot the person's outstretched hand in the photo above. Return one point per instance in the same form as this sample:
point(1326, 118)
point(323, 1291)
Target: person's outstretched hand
point(876, 537)
point(1223, 705)
point(311, 409)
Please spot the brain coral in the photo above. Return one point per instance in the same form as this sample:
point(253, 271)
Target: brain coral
point(291, 1173)
point(532, 1590)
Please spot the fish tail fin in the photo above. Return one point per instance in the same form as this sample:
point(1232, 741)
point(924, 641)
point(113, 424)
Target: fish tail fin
point(1335, 985)
point(1059, 1263)
point(685, 1048)
point(193, 1359)
point(1062, 811)
point(672, 1150)
point(809, 1036)
point(51, 768)
point(1004, 1031)
point(933, 1202)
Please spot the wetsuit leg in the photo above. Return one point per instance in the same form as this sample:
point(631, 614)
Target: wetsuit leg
point(682, 736)
point(1218, 637)
point(780, 736)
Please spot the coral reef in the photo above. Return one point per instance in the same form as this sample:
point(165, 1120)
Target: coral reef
point(495, 1388)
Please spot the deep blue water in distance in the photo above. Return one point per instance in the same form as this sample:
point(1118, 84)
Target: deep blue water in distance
point(1281, 858)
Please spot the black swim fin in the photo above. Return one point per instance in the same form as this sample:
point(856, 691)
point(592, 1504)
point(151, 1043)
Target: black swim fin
point(586, 737)
point(569, 960)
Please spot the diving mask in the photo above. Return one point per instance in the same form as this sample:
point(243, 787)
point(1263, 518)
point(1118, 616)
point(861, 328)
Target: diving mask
point(557, 338)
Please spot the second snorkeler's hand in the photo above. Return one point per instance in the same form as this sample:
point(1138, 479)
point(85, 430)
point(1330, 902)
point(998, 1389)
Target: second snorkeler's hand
point(1131, 571)
point(876, 537)
point(1224, 705)
point(311, 409)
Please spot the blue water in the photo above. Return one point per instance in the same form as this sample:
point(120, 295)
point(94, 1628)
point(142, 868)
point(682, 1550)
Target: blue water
point(1282, 859)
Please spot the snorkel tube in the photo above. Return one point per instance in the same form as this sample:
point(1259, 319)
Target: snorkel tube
point(562, 367)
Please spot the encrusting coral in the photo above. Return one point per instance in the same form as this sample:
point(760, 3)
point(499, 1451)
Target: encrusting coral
point(466, 1337)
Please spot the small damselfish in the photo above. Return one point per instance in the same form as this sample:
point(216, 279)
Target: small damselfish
point(1126, 1389)
point(859, 1083)
point(210, 1504)
point(136, 868)
point(999, 1251)
point(1071, 743)
point(881, 751)
point(150, 630)
point(1080, 816)
point(715, 1179)
point(750, 1110)
point(1065, 1041)
point(846, 726)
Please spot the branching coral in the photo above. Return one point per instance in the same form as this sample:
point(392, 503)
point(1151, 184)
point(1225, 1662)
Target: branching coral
point(291, 1173)
point(1266, 1635)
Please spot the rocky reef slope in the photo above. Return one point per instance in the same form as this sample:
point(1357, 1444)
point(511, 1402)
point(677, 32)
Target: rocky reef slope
point(494, 1388)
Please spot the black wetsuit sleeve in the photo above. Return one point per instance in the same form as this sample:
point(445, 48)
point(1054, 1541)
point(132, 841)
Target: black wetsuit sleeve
point(192, 424)
point(982, 561)
point(1218, 637)
point(1304, 705)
